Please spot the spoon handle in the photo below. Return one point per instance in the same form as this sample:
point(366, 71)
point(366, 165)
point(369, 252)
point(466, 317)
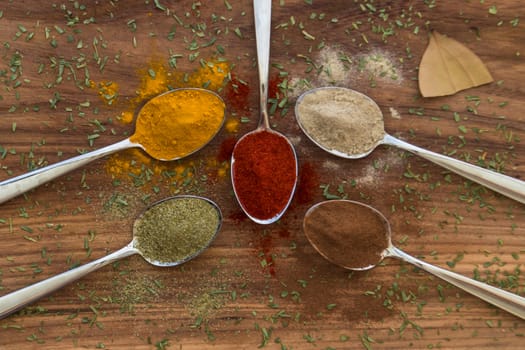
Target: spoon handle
point(506, 185)
point(18, 299)
point(507, 301)
point(262, 11)
point(20, 184)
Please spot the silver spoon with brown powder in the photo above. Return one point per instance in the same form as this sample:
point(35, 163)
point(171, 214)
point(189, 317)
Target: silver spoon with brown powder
point(349, 124)
point(356, 236)
point(168, 233)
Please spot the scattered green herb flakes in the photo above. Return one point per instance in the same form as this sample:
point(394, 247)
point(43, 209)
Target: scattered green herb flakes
point(238, 32)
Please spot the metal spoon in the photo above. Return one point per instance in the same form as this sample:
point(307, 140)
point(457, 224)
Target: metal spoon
point(16, 300)
point(331, 245)
point(20, 184)
point(262, 12)
point(506, 185)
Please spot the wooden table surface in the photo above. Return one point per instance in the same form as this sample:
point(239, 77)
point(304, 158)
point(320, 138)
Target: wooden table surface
point(258, 286)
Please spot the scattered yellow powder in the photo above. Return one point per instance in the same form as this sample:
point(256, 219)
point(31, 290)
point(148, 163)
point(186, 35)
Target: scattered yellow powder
point(223, 170)
point(139, 166)
point(232, 125)
point(127, 117)
point(210, 76)
point(154, 81)
point(107, 90)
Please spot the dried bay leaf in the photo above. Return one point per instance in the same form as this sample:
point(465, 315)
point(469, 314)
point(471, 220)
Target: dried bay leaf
point(448, 66)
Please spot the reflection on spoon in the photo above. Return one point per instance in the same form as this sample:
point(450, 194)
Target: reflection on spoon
point(349, 124)
point(264, 162)
point(168, 233)
point(356, 236)
point(152, 134)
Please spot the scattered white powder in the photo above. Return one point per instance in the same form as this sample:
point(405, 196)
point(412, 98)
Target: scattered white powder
point(394, 113)
point(373, 174)
point(369, 176)
point(333, 70)
point(331, 165)
point(380, 66)
point(295, 139)
point(297, 86)
point(338, 68)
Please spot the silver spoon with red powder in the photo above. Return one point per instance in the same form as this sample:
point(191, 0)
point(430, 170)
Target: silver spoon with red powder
point(264, 163)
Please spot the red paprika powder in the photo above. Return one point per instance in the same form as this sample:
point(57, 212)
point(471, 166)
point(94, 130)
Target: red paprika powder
point(237, 93)
point(264, 173)
point(308, 184)
point(226, 149)
point(273, 86)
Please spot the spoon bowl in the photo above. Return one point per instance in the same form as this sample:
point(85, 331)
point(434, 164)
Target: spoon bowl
point(20, 184)
point(352, 135)
point(352, 127)
point(265, 154)
point(269, 144)
point(168, 253)
point(183, 209)
point(357, 237)
point(158, 131)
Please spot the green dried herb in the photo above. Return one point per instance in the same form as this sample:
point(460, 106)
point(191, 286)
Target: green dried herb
point(176, 229)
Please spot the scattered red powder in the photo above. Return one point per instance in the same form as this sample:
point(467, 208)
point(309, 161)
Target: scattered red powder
point(308, 183)
point(237, 94)
point(226, 149)
point(273, 86)
point(238, 216)
point(266, 246)
point(284, 232)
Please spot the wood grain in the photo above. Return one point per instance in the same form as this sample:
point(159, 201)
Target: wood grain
point(261, 285)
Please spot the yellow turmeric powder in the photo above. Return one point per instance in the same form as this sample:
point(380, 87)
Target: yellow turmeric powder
point(155, 79)
point(139, 164)
point(107, 90)
point(178, 123)
point(210, 75)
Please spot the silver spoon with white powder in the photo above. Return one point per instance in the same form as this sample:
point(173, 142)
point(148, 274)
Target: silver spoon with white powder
point(349, 124)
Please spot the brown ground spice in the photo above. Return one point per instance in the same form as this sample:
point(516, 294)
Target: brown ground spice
point(347, 233)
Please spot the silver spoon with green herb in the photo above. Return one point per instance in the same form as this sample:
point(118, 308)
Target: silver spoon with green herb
point(169, 233)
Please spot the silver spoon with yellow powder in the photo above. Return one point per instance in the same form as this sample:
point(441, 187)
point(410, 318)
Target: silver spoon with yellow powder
point(349, 124)
point(169, 233)
point(170, 126)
